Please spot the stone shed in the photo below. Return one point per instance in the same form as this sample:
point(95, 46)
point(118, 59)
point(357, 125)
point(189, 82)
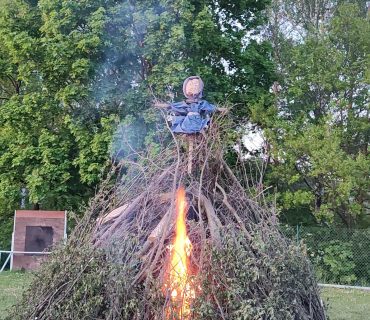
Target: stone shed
point(35, 231)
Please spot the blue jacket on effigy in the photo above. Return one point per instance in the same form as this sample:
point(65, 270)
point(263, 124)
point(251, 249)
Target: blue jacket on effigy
point(188, 118)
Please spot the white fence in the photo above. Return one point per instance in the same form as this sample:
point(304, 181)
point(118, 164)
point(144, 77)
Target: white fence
point(11, 253)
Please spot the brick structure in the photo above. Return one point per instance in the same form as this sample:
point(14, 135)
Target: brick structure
point(35, 231)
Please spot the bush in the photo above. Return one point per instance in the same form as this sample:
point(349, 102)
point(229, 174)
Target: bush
point(6, 230)
point(340, 256)
point(336, 261)
point(272, 281)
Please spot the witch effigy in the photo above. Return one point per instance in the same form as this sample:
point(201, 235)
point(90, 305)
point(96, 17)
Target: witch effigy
point(190, 115)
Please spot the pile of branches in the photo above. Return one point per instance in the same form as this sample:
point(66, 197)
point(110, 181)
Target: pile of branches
point(115, 263)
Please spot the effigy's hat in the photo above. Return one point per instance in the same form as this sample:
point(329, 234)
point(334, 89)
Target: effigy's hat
point(197, 95)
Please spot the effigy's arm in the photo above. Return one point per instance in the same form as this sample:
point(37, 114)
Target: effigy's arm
point(162, 105)
point(207, 108)
point(166, 105)
point(222, 109)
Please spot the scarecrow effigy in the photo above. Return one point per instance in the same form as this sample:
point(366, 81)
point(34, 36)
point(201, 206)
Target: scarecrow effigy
point(137, 255)
point(188, 114)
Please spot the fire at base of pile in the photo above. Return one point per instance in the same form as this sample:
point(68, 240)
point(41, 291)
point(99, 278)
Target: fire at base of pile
point(117, 263)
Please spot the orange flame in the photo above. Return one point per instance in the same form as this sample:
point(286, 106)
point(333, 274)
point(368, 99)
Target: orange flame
point(179, 268)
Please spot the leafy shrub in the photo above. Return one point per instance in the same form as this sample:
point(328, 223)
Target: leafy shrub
point(361, 255)
point(337, 260)
point(272, 281)
point(340, 256)
point(6, 229)
point(269, 285)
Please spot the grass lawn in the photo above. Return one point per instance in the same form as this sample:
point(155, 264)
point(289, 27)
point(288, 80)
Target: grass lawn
point(347, 303)
point(343, 303)
point(12, 285)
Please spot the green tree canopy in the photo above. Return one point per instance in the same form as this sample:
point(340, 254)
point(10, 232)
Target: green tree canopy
point(321, 135)
point(71, 71)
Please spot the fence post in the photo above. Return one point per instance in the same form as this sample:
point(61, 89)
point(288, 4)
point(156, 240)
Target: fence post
point(297, 235)
point(6, 262)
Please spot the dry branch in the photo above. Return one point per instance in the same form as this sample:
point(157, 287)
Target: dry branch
point(250, 207)
point(214, 222)
point(233, 211)
point(112, 215)
point(131, 208)
point(157, 232)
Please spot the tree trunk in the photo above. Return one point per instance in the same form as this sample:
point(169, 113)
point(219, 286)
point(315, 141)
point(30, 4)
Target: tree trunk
point(318, 195)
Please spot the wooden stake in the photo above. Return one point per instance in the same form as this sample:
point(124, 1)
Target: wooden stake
point(191, 148)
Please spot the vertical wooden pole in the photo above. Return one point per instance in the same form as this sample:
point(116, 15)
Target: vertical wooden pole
point(191, 148)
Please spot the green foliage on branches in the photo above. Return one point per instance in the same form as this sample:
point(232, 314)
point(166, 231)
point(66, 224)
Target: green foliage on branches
point(48, 57)
point(338, 257)
point(235, 283)
point(160, 44)
point(253, 287)
point(71, 71)
point(319, 141)
point(6, 227)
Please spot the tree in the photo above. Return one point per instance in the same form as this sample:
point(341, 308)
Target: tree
point(70, 71)
point(48, 57)
point(321, 135)
point(160, 44)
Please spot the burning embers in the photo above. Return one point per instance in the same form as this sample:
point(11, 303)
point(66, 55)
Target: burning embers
point(181, 289)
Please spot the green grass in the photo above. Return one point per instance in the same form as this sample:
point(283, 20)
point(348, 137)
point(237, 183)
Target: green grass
point(343, 303)
point(12, 284)
point(346, 304)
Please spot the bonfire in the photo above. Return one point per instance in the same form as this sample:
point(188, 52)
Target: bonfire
point(179, 235)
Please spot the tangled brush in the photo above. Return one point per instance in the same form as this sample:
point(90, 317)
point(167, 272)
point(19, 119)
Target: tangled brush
point(116, 263)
